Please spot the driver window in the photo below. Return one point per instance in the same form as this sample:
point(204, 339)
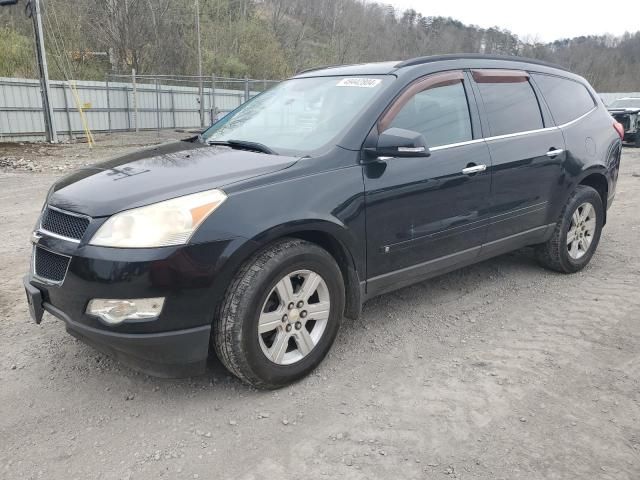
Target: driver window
point(440, 114)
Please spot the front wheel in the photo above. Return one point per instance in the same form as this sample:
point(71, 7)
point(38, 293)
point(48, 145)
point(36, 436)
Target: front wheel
point(281, 314)
point(577, 233)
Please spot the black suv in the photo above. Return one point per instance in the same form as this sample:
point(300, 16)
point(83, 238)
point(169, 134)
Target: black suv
point(337, 185)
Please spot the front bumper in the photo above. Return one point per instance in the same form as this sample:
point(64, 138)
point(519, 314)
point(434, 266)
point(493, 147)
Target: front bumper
point(177, 353)
point(191, 278)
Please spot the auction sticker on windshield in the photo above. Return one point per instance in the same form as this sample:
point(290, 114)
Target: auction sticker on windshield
point(359, 82)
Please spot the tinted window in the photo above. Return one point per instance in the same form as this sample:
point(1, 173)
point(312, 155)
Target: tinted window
point(567, 99)
point(441, 114)
point(510, 107)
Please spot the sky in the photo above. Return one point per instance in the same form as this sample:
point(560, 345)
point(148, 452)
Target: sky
point(541, 20)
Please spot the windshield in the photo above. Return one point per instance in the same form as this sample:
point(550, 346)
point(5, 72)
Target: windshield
point(299, 116)
point(626, 103)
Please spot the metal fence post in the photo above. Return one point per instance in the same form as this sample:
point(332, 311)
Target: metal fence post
point(173, 108)
point(201, 99)
point(158, 107)
point(126, 97)
point(135, 98)
point(246, 88)
point(108, 104)
point(211, 103)
point(214, 114)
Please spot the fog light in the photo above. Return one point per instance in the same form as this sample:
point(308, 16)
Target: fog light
point(115, 311)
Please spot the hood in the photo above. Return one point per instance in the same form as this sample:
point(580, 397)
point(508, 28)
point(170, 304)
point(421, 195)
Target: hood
point(158, 173)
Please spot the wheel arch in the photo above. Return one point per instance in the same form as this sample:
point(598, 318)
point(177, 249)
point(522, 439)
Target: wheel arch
point(335, 239)
point(597, 179)
point(345, 261)
point(332, 237)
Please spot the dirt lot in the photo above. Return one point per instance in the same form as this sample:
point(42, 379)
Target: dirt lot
point(498, 371)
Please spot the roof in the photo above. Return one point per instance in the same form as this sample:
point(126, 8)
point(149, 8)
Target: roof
point(384, 68)
point(376, 68)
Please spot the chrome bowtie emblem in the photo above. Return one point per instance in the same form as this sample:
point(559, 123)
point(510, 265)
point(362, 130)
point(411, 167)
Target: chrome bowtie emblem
point(35, 237)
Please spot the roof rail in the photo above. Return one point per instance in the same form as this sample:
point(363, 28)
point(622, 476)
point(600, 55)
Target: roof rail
point(479, 56)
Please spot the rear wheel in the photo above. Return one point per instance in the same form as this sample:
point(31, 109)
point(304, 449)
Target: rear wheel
point(281, 314)
point(577, 233)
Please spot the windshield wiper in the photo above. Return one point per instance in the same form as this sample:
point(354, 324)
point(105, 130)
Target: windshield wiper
point(244, 145)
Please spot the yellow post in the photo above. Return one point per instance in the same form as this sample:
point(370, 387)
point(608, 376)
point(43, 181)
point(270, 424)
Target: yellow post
point(83, 117)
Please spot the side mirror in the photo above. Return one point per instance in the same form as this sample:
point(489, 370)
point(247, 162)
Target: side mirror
point(398, 142)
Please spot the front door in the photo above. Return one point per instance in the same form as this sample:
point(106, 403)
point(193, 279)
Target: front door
point(427, 215)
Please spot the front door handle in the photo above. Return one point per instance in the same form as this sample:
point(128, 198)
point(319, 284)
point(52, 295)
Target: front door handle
point(554, 152)
point(474, 169)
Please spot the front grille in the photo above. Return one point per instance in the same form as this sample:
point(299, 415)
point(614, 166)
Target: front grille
point(64, 224)
point(50, 266)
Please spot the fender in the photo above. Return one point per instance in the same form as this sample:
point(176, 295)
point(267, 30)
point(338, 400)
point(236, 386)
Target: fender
point(597, 176)
point(332, 236)
point(339, 241)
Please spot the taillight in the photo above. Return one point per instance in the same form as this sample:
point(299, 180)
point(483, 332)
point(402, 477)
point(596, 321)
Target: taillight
point(619, 128)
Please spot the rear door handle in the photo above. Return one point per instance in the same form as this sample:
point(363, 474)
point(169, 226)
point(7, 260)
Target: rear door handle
point(554, 152)
point(474, 169)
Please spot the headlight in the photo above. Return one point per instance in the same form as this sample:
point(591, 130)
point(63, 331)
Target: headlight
point(171, 222)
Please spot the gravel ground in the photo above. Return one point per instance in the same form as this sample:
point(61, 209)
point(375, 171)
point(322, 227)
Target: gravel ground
point(66, 156)
point(498, 371)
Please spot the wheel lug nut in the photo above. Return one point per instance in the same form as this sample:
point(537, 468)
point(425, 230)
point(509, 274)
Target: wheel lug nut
point(285, 318)
point(288, 328)
point(290, 307)
point(303, 314)
point(298, 325)
point(300, 304)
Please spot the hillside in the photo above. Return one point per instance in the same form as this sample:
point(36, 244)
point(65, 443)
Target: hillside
point(275, 38)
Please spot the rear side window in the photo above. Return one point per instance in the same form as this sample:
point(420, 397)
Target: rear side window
point(440, 114)
point(567, 99)
point(511, 107)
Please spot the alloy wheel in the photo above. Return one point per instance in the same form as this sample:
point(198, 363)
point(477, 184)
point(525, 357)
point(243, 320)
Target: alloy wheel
point(294, 317)
point(581, 230)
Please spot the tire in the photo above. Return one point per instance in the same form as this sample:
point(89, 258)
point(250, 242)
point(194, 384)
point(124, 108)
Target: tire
point(637, 142)
point(283, 353)
point(569, 257)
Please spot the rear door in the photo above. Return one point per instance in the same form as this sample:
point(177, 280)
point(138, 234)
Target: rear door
point(425, 215)
point(527, 153)
point(587, 134)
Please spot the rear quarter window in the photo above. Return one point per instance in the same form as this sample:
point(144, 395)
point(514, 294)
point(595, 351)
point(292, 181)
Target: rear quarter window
point(510, 107)
point(566, 98)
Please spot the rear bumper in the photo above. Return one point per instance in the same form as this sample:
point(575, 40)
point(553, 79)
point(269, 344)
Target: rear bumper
point(176, 353)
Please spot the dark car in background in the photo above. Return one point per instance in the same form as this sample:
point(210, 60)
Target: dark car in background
point(626, 111)
point(256, 238)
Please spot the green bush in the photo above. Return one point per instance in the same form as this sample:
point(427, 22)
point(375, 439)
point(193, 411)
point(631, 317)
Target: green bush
point(16, 54)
